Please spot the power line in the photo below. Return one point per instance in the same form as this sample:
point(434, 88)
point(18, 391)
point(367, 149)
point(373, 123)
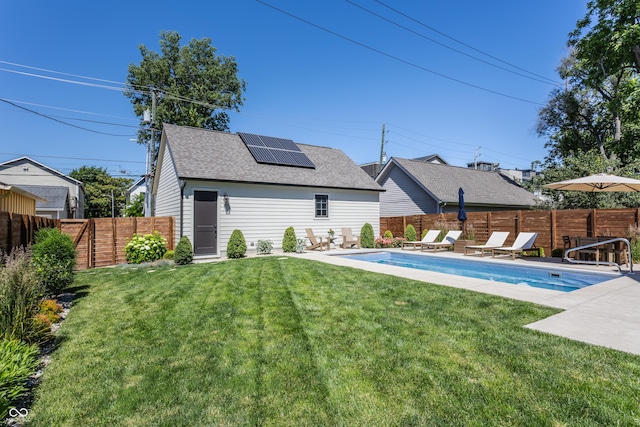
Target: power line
point(404, 61)
point(72, 158)
point(68, 109)
point(60, 121)
point(462, 43)
point(547, 81)
point(59, 72)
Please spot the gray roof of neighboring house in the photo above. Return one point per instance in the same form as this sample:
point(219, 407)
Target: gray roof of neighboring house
point(480, 187)
point(56, 196)
point(221, 156)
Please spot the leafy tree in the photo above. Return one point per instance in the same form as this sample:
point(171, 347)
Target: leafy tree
point(600, 107)
point(135, 206)
point(99, 187)
point(192, 84)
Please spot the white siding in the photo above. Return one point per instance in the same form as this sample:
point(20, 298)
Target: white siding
point(263, 212)
point(28, 173)
point(403, 196)
point(167, 198)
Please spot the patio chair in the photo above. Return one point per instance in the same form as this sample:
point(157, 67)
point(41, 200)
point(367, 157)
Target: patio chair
point(430, 237)
point(348, 239)
point(496, 240)
point(524, 242)
point(316, 242)
point(446, 242)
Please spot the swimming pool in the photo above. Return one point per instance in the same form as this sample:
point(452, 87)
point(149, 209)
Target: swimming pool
point(546, 278)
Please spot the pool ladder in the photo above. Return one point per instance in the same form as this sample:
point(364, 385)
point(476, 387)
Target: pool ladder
point(593, 245)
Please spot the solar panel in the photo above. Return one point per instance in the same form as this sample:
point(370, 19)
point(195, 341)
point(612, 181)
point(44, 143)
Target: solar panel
point(275, 151)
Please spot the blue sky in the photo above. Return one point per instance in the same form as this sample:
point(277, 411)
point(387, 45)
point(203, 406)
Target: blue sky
point(326, 73)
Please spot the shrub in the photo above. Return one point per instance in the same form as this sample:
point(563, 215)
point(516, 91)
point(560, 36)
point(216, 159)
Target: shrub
point(383, 242)
point(388, 234)
point(366, 236)
point(424, 233)
point(147, 248)
point(54, 258)
point(169, 255)
point(184, 251)
point(50, 309)
point(289, 241)
point(633, 235)
point(410, 233)
point(237, 245)
point(18, 361)
point(264, 247)
point(20, 294)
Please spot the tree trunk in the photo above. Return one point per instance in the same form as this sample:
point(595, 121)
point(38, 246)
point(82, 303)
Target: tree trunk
point(636, 50)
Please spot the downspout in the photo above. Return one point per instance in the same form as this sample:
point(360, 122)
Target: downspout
point(182, 183)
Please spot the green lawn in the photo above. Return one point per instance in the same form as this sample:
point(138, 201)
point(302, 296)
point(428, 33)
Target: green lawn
point(286, 341)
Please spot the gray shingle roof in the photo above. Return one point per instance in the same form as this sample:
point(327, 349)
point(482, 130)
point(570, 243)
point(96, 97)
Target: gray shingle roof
point(480, 187)
point(56, 196)
point(221, 156)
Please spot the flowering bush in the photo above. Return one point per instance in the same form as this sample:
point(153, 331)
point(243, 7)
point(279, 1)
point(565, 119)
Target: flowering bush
point(147, 248)
point(384, 242)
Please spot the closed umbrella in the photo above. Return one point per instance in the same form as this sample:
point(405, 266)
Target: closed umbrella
point(462, 214)
point(597, 183)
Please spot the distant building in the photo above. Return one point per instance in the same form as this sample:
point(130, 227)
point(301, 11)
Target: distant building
point(484, 166)
point(521, 175)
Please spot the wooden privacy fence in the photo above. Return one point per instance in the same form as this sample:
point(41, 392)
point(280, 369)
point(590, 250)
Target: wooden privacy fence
point(18, 230)
point(550, 225)
point(100, 242)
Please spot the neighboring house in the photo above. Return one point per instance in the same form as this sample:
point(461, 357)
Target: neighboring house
point(373, 168)
point(215, 182)
point(27, 172)
point(54, 203)
point(416, 188)
point(137, 188)
point(17, 200)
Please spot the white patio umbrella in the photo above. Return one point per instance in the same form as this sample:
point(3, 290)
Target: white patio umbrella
point(596, 183)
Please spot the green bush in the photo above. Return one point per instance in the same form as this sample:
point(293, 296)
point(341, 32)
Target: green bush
point(184, 251)
point(147, 248)
point(410, 233)
point(289, 241)
point(264, 247)
point(237, 245)
point(18, 361)
point(366, 236)
point(54, 258)
point(424, 233)
point(388, 234)
point(169, 255)
point(20, 295)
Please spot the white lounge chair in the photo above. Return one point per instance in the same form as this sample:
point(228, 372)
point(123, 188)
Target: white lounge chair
point(524, 242)
point(447, 241)
point(430, 237)
point(496, 240)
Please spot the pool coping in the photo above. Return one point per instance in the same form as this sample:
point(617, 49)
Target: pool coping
point(604, 314)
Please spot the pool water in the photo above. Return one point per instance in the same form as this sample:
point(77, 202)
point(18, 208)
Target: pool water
point(546, 278)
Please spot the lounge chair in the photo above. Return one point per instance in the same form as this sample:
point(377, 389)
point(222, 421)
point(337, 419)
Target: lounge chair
point(430, 237)
point(348, 239)
point(316, 242)
point(446, 242)
point(524, 242)
point(496, 240)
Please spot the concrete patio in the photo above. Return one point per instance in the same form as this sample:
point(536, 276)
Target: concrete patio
point(604, 314)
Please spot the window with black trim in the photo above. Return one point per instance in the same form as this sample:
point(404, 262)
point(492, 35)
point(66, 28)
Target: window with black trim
point(322, 205)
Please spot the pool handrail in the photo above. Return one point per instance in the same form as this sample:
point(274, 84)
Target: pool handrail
point(604, 242)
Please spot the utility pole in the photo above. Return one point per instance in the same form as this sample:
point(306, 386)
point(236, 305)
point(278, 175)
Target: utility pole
point(475, 157)
point(150, 117)
point(382, 153)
